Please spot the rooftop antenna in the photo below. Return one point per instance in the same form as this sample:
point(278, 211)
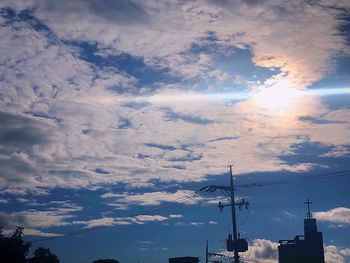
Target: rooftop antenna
point(309, 214)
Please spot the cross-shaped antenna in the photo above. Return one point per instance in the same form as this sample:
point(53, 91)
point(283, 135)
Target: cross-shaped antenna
point(309, 215)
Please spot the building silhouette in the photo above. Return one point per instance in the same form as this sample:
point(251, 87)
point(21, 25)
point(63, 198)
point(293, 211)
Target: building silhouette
point(184, 260)
point(307, 248)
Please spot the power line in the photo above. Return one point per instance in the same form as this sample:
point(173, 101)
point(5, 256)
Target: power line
point(298, 179)
point(177, 201)
point(86, 230)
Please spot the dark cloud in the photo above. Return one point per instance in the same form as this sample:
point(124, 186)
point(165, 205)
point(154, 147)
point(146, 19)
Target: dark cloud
point(124, 124)
point(21, 133)
point(190, 157)
point(228, 138)
point(136, 105)
point(124, 12)
point(18, 136)
point(318, 120)
point(254, 2)
point(177, 167)
point(101, 171)
point(227, 3)
point(13, 220)
point(86, 131)
point(174, 116)
point(161, 146)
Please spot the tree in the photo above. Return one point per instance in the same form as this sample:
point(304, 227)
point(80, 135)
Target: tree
point(106, 261)
point(12, 248)
point(43, 255)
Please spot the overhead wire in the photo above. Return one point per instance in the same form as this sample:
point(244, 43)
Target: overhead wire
point(297, 179)
point(177, 201)
point(245, 219)
point(86, 230)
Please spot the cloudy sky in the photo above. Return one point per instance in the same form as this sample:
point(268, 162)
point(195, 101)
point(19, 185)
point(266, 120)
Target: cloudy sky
point(111, 111)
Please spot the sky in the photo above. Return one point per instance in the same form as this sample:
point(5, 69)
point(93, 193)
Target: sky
point(113, 114)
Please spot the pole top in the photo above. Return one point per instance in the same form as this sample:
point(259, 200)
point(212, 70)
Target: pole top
point(309, 214)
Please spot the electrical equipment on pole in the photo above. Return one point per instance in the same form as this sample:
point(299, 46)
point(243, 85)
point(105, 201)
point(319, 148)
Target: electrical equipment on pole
point(234, 242)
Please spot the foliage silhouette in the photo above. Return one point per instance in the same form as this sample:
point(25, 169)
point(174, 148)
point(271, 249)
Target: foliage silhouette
point(106, 261)
point(12, 248)
point(43, 255)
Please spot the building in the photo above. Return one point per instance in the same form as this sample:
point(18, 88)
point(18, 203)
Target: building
point(307, 248)
point(184, 260)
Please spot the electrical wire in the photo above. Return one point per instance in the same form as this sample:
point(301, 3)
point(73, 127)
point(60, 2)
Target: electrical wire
point(177, 201)
point(174, 202)
point(224, 227)
point(249, 248)
point(297, 179)
point(245, 219)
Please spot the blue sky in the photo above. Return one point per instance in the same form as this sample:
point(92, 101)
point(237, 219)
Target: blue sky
point(109, 109)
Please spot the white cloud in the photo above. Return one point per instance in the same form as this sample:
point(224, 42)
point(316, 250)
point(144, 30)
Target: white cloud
point(112, 221)
point(153, 198)
point(146, 242)
point(264, 251)
point(39, 233)
point(336, 215)
point(66, 105)
point(33, 221)
point(105, 221)
point(288, 214)
point(335, 254)
point(176, 216)
point(194, 223)
point(146, 218)
point(186, 197)
point(269, 28)
point(4, 201)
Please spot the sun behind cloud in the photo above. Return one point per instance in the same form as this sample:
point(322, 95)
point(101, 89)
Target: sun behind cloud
point(276, 99)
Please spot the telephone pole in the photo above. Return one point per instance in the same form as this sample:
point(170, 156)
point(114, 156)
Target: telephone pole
point(206, 252)
point(237, 244)
point(233, 212)
point(210, 254)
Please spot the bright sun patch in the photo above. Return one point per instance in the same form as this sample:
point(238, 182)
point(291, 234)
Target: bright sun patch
point(276, 99)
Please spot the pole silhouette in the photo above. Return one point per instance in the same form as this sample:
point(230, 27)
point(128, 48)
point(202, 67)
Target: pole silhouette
point(233, 212)
point(234, 242)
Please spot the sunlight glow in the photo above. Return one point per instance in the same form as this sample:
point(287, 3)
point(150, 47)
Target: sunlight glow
point(192, 96)
point(276, 98)
point(272, 98)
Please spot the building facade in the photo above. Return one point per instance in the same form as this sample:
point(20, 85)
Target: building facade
point(307, 248)
point(184, 260)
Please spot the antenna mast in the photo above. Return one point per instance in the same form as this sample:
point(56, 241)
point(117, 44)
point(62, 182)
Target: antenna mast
point(309, 214)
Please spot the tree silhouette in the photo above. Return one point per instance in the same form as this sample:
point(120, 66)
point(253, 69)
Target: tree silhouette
point(106, 261)
point(12, 248)
point(43, 255)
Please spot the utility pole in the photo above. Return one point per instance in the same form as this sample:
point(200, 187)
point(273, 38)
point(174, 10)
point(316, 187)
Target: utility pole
point(210, 254)
point(206, 252)
point(237, 244)
point(233, 212)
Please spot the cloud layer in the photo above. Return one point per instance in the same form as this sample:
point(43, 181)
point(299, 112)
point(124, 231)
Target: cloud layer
point(338, 215)
point(72, 121)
